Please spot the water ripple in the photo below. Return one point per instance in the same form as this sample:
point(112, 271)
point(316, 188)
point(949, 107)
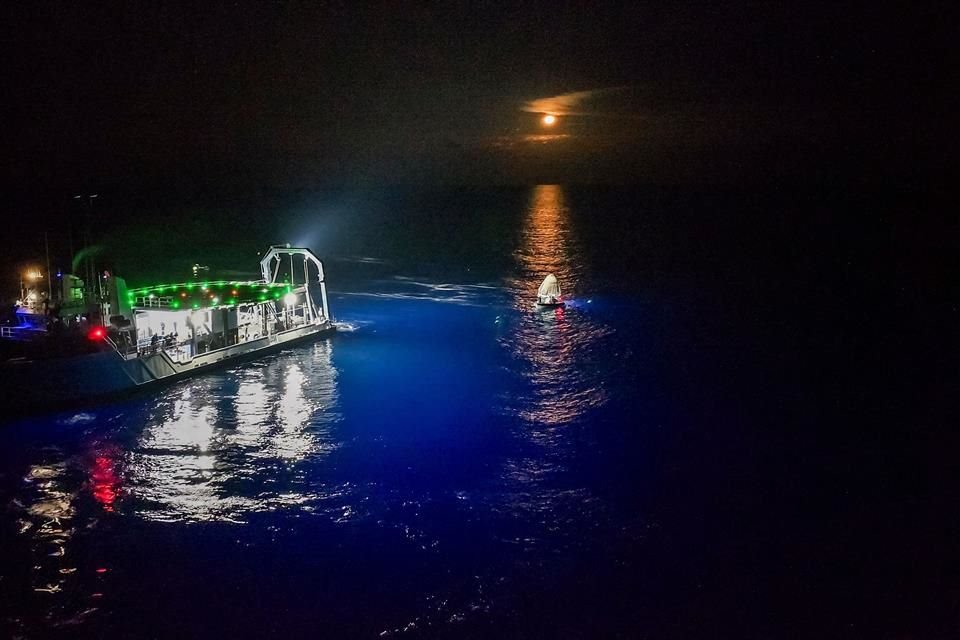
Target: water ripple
point(212, 445)
point(555, 347)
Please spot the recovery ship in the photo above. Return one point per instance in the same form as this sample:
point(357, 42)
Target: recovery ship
point(161, 333)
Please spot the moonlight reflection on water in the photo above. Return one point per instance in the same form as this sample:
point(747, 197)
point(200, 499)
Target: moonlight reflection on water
point(553, 343)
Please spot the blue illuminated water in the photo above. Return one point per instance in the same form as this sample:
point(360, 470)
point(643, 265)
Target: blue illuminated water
point(664, 456)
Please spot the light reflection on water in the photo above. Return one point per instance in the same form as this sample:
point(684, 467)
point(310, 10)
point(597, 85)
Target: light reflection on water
point(217, 448)
point(230, 448)
point(188, 465)
point(548, 245)
point(47, 518)
point(555, 343)
point(552, 351)
point(47, 521)
point(403, 288)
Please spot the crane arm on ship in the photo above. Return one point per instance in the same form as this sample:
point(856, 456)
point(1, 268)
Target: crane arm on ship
point(275, 252)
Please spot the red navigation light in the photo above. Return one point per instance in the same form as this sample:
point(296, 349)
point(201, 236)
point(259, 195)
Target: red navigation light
point(106, 485)
point(97, 333)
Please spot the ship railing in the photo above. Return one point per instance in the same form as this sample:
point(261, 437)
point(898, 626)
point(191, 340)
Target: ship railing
point(292, 317)
point(123, 350)
point(110, 342)
point(153, 301)
point(176, 351)
point(21, 332)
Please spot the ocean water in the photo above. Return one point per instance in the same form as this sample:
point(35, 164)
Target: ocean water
point(704, 443)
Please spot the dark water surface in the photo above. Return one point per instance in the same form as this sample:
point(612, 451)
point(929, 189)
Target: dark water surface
point(714, 439)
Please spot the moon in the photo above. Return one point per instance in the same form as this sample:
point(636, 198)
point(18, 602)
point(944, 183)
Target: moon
point(549, 119)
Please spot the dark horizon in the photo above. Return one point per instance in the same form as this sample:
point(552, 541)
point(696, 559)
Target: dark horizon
point(171, 109)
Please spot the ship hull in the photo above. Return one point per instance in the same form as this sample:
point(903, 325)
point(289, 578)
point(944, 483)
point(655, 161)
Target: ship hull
point(37, 385)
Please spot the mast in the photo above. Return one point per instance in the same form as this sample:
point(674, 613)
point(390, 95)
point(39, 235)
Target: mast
point(46, 246)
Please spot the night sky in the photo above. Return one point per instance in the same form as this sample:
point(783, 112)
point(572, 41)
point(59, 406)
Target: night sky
point(147, 103)
point(290, 94)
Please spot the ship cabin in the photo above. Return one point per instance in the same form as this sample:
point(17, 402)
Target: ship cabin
point(188, 319)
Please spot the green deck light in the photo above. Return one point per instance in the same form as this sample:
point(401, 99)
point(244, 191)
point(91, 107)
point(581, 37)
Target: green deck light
point(239, 293)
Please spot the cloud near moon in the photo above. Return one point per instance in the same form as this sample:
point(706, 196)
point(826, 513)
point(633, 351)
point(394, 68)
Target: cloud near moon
point(576, 103)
